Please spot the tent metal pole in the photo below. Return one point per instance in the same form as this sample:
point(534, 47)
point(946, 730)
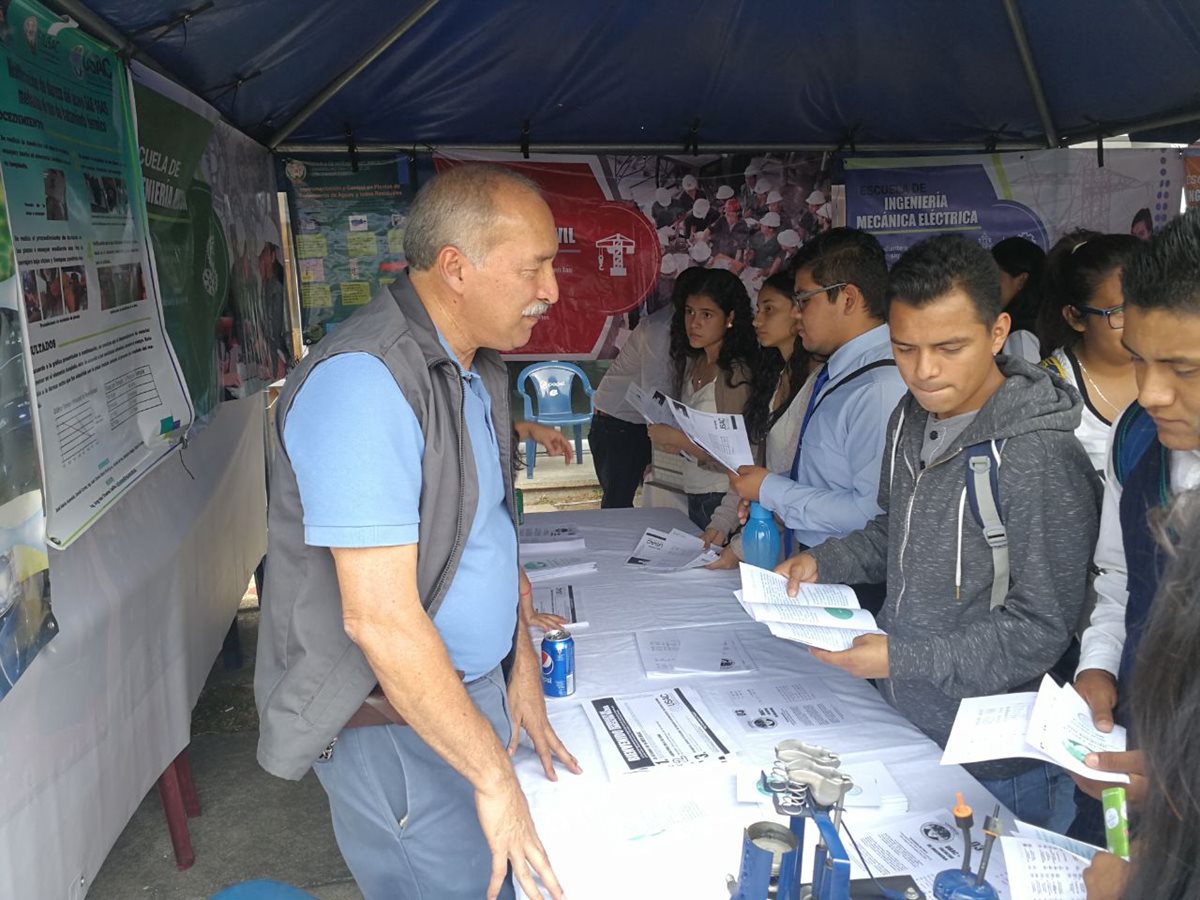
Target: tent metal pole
point(1031, 74)
point(671, 149)
point(350, 74)
point(1131, 126)
point(100, 28)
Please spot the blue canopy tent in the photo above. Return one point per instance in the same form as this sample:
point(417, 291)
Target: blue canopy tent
point(668, 76)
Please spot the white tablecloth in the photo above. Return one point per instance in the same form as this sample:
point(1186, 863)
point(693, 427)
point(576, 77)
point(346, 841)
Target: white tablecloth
point(585, 821)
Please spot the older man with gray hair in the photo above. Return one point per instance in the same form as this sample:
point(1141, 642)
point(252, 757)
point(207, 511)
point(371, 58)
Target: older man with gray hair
point(391, 593)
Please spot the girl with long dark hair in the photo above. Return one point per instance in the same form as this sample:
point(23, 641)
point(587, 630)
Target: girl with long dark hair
point(782, 385)
point(714, 354)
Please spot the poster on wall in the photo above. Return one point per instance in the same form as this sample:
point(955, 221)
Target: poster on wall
point(1191, 177)
point(211, 204)
point(627, 225)
point(109, 399)
point(26, 622)
point(1037, 195)
point(348, 221)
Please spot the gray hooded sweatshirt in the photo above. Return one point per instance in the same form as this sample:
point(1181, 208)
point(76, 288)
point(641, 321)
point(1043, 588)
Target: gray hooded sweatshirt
point(944, 640)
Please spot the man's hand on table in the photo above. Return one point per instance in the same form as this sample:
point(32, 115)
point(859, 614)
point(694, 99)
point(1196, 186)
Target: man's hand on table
point(508, 828)
point(868, 658)
point(527, 704)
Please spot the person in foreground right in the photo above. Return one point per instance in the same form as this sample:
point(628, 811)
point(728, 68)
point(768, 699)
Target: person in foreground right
point(962, 619)
point(1154, 454)
point(1166, 695)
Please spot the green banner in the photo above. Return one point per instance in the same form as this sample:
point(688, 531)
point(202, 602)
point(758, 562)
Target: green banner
point(349, 233)
point(190, 252)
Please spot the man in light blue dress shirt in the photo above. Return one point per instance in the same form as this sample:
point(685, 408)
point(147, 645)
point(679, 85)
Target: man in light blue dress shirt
point(839, 304)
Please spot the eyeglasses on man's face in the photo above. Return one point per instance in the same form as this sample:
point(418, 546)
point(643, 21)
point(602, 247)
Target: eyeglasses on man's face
point(800, 298)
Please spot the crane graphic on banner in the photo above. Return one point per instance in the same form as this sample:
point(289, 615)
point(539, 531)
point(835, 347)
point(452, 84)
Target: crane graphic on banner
point(616, 245)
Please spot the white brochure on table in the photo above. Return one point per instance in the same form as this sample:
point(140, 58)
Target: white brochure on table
point(675, 651)
point(538, 570)
point(778, 707)
point(721, 435)
point(827, 616)
point(1052, 725)
point(1038, 871)
point(920, 846)
point(562, 600)
point(668, 729)
point(673, 551)
point(543, 540)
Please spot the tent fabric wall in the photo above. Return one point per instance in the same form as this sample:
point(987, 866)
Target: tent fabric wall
point(143, 599)
point(752, 72)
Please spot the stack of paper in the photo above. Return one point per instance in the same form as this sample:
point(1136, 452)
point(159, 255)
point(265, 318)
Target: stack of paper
point(538, 570)
point(544, 540)
point(875, 788)
point(677, 651)
point(653, 407)
point(659, 551)
point(827, 616)
point(562, 600)
point(1054, 725)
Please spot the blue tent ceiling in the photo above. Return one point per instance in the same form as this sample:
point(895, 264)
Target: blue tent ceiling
point(633, 72)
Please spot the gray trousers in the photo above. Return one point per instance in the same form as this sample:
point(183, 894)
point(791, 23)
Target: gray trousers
point(404, 820)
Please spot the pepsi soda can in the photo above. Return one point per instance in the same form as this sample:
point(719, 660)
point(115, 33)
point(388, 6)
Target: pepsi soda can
point(558, 663)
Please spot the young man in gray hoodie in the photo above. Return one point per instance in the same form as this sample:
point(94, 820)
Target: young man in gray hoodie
point(953, 629)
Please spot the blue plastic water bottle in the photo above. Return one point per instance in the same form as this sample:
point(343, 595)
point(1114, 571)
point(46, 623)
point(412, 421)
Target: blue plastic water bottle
point(760, 539)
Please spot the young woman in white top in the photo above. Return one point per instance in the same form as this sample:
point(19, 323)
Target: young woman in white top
point(1021, 261)
point(714, 353)
point(783, 384)
point(1082, 322)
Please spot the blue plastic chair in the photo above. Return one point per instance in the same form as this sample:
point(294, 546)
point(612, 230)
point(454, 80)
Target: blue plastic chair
point(552, 383)
point(262, 890)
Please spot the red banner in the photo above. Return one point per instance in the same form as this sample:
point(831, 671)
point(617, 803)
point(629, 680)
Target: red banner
point(608, 256)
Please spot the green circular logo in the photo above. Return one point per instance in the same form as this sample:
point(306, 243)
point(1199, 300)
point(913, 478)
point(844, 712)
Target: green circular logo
point(840, 613)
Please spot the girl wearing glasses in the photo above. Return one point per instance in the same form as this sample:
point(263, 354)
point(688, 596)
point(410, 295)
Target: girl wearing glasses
point(1082, 320)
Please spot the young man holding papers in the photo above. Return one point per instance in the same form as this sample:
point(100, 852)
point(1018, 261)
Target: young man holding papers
point(953, 628)
point(839, 301)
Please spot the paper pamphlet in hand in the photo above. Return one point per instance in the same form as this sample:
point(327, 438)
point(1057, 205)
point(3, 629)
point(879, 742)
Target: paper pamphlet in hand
point(560, 600)
point(1054, 725)
point(659, 551)
point(676, 651)
point(827, 616)
point(1039, 871)
point(653, 407)
point(543, 540)
point(722, 436)
point(670, 729)
point(537, 570)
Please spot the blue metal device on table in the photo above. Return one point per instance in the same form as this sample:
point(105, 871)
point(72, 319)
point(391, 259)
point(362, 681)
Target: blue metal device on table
point(806, 783)
point(962, 883)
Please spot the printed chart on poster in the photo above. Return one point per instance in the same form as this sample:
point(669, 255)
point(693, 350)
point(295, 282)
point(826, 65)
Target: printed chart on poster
point(109, 399)
point(349, 220)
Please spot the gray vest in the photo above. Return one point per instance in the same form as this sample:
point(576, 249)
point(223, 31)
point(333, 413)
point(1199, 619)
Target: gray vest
point(310, 678)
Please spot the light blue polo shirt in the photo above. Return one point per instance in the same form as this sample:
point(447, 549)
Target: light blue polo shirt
point(356, 449)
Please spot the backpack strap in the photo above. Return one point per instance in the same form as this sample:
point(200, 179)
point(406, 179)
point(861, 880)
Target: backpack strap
point(1052, 363)
point(983, 493)
point(1135, 433)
